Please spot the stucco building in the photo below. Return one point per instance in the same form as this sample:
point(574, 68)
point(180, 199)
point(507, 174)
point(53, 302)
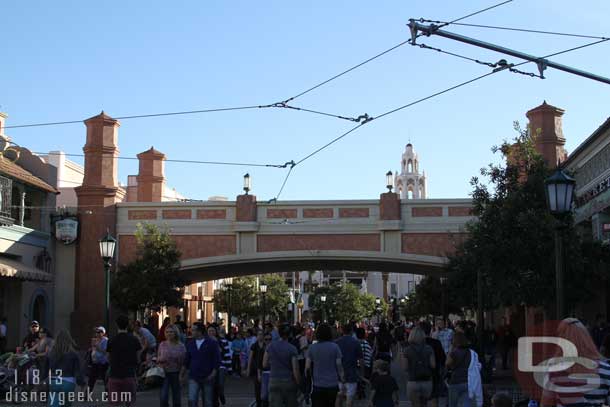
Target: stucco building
point(27, 262)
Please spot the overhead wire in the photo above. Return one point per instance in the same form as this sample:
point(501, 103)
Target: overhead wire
point(417, 101)
point(229, 163)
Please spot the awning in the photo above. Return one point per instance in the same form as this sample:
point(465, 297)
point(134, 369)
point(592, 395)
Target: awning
point(16, 269)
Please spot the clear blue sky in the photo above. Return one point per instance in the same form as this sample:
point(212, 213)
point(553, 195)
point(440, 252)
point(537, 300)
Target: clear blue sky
point(67, 60)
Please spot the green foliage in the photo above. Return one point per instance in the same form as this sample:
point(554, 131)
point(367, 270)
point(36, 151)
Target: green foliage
point(247, 302)
point(344, 303)
point(153, 278)
point(427, 299)
point(512, 240)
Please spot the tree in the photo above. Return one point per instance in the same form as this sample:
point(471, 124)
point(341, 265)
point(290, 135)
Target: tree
point(153, 278)
point(243, 299)
point(511, 241)
point(246, 301)
point(276, 299)
point(344, 303)
point(427, 299)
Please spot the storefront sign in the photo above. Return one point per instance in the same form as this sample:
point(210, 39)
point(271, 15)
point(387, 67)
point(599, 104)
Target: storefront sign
point(66, 230)
point(603, 186)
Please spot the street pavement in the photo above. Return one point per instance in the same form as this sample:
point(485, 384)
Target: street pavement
point(240, 393)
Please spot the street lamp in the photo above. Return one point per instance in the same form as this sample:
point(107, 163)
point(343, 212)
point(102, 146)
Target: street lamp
point(323, 299)
point(247, 183)
point(377, 307)
point(263, 289)
point(228, 283)
point(559, 194)
point(388, 181)
point(107, 246)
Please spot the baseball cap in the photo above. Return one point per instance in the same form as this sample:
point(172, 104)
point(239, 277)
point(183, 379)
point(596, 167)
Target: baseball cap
point(100, 329)
point(34, 323)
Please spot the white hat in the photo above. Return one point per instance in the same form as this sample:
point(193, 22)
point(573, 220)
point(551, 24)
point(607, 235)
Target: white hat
point(100, 328)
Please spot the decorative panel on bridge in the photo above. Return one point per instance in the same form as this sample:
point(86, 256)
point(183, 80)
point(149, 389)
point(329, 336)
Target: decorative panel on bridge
point(301, 235)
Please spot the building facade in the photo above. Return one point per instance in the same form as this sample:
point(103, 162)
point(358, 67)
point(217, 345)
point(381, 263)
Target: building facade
point(27, 262)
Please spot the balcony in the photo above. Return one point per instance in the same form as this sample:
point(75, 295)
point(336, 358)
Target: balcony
point(6, 190)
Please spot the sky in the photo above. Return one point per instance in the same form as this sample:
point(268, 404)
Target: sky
point(68, 60)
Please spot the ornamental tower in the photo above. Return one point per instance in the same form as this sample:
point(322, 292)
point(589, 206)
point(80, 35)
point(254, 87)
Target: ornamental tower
point(410, 184)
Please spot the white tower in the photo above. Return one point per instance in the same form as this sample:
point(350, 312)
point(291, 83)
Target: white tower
point(409, 183)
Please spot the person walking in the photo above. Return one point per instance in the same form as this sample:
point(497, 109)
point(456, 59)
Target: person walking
point(420, 364)
point(265, 373)
point(443, 334)
point(202, 363)
point(324, 363)
point(281, 357)
point(99, 358)
point(505, 341)
point(161, 335)
point(238, 346)
point(352, 360)
point(170, 358)
point(225, 363)
point(367, 361)
point(65, 370)
point(439, 358)
point(458, 362)
point(147, 339)
point(122, 352)
point(255, 364)
point(384, 389)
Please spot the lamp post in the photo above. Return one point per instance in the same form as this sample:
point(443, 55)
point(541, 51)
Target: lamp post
point(377, 307)
point(263, 288)
point(389, 184)
point(247, 183)
point(107, 246)
point(559, 194)
point(228, 283)
point(323, 300)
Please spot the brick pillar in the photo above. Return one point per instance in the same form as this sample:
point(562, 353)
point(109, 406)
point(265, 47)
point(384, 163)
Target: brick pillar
point(97, 197)
point(246, 208)
point(389, 206)
point(151, 180)
point(546, 127)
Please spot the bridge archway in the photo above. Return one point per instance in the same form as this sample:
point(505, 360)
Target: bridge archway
point(212, 268)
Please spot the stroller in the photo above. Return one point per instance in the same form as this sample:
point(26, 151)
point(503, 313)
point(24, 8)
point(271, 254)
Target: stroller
point(17, 376)
point(150, 375)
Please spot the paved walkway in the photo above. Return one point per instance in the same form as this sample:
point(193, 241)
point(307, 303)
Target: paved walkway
point(240, 393)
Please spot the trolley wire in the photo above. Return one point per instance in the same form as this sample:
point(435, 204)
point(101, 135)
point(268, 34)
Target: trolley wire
point(241, 164)
point(459, 85)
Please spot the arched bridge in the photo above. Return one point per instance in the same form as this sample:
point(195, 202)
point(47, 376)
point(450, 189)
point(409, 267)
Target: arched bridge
point(243, 237)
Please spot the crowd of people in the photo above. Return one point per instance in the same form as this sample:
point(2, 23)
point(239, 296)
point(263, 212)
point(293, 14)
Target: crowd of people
point(318, 364)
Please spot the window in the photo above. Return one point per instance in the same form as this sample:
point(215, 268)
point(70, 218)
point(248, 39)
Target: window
point(410, 193)
point(393, 291)
point(410, 166)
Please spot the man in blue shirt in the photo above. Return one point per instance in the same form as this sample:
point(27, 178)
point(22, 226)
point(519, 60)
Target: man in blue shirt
point(202, 361)
point(351, 359)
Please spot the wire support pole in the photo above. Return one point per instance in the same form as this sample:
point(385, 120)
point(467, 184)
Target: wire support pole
point(542, 63)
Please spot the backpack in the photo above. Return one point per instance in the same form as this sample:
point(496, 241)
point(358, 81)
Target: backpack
point(419, 364)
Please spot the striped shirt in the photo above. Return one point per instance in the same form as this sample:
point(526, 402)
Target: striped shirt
point(579, 392)
point(367, 353)
point(225, 355)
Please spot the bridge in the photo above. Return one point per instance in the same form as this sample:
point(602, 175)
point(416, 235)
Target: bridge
point(226, 239)
point(243, 237)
